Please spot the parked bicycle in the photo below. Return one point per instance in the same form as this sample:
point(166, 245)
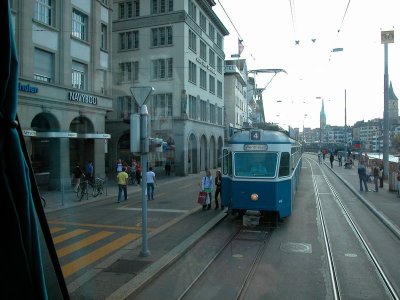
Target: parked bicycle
point(97, 186)
point(83, 189)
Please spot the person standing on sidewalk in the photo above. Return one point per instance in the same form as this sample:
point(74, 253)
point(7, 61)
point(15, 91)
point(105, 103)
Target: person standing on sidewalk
point(381, 175)
point(331, 159)
point(362, 175)
point(77, 176)
point(151, 181)
point(375, 172)
point(218, 181)
point(207, 186)
point(89, 171)
point(122, 178)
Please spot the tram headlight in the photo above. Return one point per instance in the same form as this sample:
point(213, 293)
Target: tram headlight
point(254, 197)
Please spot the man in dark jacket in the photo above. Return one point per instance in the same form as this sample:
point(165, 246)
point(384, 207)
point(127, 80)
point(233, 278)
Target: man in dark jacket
point(362, 175)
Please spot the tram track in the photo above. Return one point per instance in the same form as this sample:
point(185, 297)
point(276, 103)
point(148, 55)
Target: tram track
point(383, 276)
point(259, 237)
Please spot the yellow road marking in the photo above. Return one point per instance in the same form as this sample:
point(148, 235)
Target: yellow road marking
point(91, 257)
point(69, 235)
point(83, 243)
point(185, 186)
point(56, 229)
point(98, 225)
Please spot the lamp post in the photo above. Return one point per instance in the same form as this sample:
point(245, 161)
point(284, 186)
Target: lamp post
point(386, 38)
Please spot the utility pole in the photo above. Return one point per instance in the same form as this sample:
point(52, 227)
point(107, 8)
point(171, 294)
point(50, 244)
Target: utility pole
point(386, 37)
point(345, 123)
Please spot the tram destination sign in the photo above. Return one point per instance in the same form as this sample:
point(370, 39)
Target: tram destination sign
point(255, 147)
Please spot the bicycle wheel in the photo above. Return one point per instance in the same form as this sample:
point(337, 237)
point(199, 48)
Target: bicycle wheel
point(78, 194)
point(95, 191)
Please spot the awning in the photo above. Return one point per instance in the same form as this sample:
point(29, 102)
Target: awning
point(65, 134)
point(94, 136)
point(56, 134)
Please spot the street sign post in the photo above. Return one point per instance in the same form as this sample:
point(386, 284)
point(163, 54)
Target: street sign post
point(141, 94)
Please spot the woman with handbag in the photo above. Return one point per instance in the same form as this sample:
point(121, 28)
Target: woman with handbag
point(207, 186)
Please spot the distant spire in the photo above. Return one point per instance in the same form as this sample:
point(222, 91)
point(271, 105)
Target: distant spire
point(391, 94)
point(322, 116)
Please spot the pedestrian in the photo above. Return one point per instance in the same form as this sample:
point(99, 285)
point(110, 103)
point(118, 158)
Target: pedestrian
point(207, 186)
point(375, 172)
point(362, 176)
point(138, 172)
point(381, 175)
point(398, 183)
point(122, 178)
point(319, 157)
point(331, 159)
point(78, 173)
point(89, 171)
point(151, 181)
point(218, 181)
point(340, 160)
point(167, 168)
point(119, 166)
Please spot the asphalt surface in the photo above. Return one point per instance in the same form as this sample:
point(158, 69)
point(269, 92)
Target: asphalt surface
point(172, 242)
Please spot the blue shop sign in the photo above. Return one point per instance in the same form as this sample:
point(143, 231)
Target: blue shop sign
point(27, 88)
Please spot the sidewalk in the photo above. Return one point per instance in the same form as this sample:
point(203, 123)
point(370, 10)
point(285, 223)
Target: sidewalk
point(58, 200)
point(384, 204)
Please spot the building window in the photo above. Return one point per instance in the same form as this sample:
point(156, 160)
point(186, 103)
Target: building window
point(79, 25)
point(192, 41)
point(161, 6)
point(43, 66)
point(124, 106)
point(203, 50)
point(219, 65)
point(212, 114)
point(161, 36)
point(128, 9)
point(192, 72)
point(203, 110)
point(102, 83)
point(43, 11)
point(203, 22)
point(203, 79)
point(211, 31)
point(219, 89)
point(192, 107)
point(129, 40)
point(79, 75)
point(162, 68)
point(219, 115)
point(192, 10)
point(211, 80)
point(219, 40)
point(129, 71)
point(162, 105)
point(211, 57)
point(103, 37)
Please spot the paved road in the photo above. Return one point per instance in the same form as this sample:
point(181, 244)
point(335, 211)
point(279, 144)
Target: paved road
point(182, 234)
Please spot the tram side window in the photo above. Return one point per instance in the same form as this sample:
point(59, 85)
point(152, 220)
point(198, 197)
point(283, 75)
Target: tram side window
point(227, 159)
point(284, 166)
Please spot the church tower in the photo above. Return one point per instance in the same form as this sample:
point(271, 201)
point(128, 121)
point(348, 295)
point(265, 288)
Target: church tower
point(393, 107)
point(322, 122)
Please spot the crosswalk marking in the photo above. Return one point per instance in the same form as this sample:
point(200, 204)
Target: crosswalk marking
point(91, 257)
point(69, 235)
point(56, 229)
point(96, 225)
point(83, 243)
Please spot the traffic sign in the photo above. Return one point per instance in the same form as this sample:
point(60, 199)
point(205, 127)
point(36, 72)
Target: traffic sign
point(387, 36)
point(141, 93)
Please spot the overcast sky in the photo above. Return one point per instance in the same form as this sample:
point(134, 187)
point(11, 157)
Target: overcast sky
point(269, 29)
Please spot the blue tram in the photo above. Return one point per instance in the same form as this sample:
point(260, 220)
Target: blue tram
point(260, 172)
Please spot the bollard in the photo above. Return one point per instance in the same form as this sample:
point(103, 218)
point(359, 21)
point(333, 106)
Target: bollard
point(106, 184)
point(62, 194)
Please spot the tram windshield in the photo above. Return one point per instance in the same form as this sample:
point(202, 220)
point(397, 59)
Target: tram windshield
point(247, 164)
